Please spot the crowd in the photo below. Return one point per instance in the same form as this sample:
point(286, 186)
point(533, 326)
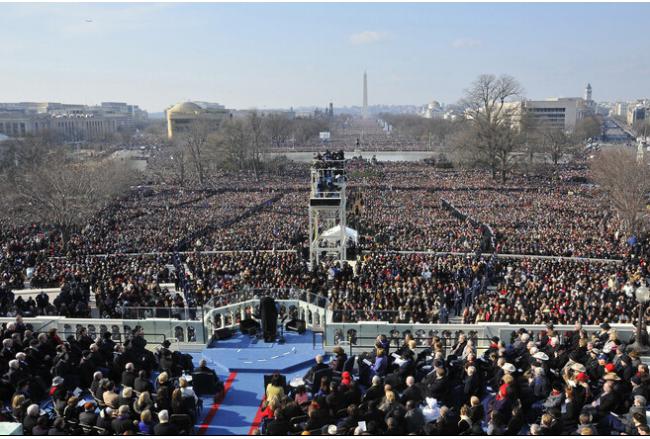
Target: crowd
point(80, 385)
point(281, 225)
point(398, 206)
point(410, 220)
point(535, 384)
point(560, 221)
point(560, 291)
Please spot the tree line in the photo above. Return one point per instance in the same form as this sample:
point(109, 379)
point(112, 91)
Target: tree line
point(237, 144)
point(495, 131)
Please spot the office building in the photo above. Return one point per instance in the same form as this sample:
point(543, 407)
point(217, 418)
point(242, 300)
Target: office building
point(73, 122)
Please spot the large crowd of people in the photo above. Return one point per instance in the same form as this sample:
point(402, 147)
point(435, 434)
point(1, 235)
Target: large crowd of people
point(81, 385)
point(543, 383)
point(246, 231)
point(426, 254)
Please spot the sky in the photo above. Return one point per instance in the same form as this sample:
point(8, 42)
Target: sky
point(282, 55)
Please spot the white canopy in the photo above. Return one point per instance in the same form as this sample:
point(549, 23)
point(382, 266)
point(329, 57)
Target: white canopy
point(335, 232)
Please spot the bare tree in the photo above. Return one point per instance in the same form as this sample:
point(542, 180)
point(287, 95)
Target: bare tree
point(257, 145)
point(169, 161)
point(28, 152)
point(64, 193)
point(307, 128)
point(278, 129)
point(234, 140)
point(195, 144)
point(557, 142)
point(588, 128)
point(492, 120)
point(626, 183)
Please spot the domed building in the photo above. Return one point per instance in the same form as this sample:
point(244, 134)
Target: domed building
point(181, 116)
point(433, 111)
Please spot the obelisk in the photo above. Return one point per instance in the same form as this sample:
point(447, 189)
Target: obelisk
point(365, 95)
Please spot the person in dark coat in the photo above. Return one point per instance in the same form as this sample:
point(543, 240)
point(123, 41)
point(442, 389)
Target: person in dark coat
point(31, 419)
point(374, 392)
point(608, 400)
point(164, 428)
point(320, 365)
point(412, 392)
point(123, 422)
point(516, 422)
point(142, 383)
point(128, 376)
point(443, 426)
point(438, 384)
point(58, 428)
point(471, 384)
point(88, 416)
point(105, 419)
point(572, 411)
point(41, 428)
point(350, 422)
point(279, 426)
point(339, 360)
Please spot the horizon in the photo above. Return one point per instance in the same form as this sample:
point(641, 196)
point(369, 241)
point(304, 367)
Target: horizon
point(278, 56)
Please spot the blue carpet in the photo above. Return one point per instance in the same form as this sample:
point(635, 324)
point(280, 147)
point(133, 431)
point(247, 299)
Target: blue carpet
point(242, 353)
point(239, 407)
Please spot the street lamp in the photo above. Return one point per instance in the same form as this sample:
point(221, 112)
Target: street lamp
point(642, 296)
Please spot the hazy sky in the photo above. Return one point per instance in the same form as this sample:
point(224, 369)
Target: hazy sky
point(281, 55)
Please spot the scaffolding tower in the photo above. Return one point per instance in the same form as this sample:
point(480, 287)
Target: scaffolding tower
point(327, 204)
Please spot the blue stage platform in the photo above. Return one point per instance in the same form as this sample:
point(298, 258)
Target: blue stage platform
point(241, 362)
point(243, 353)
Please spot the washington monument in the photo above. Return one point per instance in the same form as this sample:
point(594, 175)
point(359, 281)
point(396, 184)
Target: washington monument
point(365, 95)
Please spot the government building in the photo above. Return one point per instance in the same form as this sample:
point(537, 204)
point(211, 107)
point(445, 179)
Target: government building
point(72, 122)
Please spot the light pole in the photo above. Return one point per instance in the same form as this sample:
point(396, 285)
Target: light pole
point(642, 296)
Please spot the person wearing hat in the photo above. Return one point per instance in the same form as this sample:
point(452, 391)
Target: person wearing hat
point(58, 393)
point(331, 430)
point(346, 379)
point(165, 357)
point(509, 368)
point(597, 371)
point(106, 346)
point(88, 416)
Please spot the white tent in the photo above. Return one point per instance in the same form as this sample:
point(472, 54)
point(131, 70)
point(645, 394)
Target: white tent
point(334, 234)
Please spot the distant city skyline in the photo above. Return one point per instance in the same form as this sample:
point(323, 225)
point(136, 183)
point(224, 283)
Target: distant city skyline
point(301, 55)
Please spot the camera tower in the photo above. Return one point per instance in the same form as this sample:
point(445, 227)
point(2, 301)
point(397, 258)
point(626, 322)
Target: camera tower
point(327, 202)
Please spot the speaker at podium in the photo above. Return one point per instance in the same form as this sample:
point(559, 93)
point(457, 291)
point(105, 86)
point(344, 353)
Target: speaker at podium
point(269, 314)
